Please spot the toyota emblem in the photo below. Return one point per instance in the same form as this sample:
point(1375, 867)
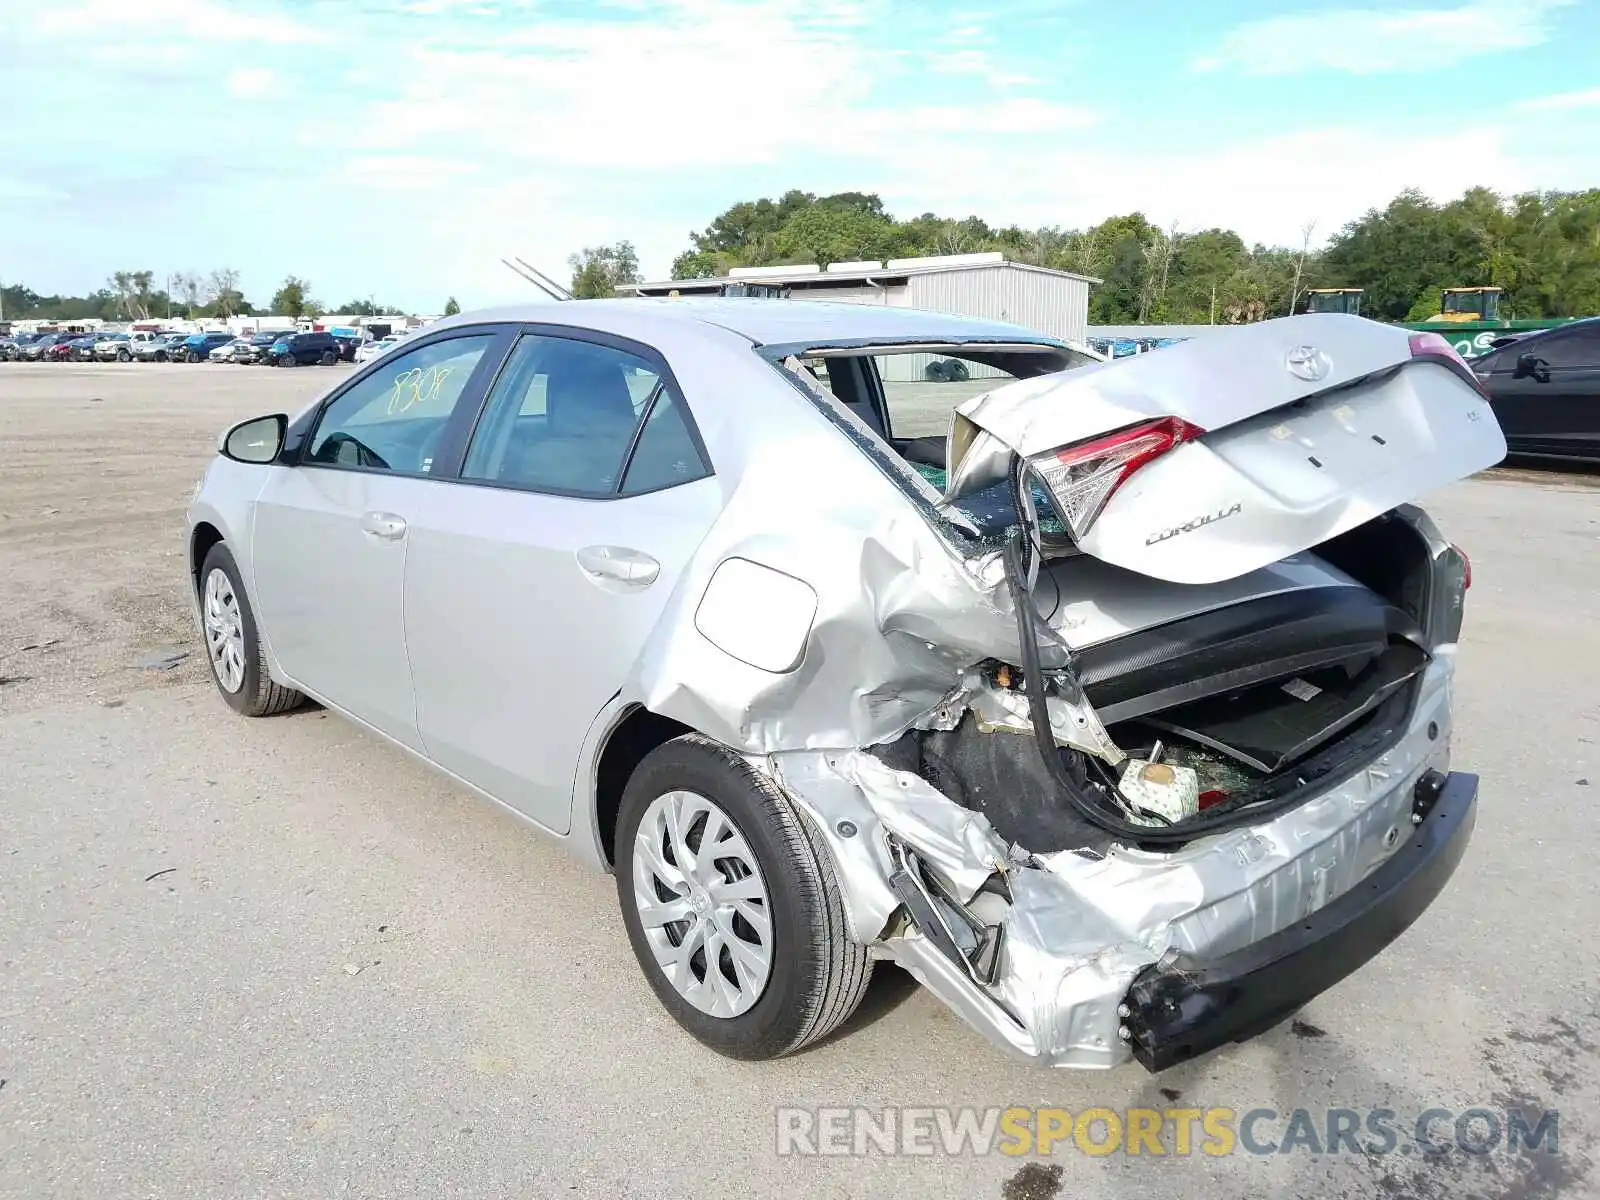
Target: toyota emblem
point(1308, 363)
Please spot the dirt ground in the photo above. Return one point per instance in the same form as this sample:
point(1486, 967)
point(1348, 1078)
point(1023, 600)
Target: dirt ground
point(96, 465)
point(279, 958)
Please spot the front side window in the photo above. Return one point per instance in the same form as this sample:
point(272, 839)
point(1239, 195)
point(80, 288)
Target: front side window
point(563, 418)
point(394, 418)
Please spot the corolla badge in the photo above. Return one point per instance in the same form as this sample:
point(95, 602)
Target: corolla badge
point(1308, 363)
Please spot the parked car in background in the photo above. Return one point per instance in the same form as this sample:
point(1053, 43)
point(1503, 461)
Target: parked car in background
point(159, 348)
point(12, 347)
point(225, 352)
point(303, 349)
point(39, 350)
point(257, 344)
point(109, 347)
point(77, 348)
point(1125, 728)
point(123, 347)
point(1545, 388)
point(375, 349)
point(198, 346)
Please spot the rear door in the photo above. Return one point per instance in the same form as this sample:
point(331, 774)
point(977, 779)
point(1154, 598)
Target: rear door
point(332, 533)
point(532, 585)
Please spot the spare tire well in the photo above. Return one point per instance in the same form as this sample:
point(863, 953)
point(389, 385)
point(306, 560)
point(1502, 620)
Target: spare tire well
point(638, 733)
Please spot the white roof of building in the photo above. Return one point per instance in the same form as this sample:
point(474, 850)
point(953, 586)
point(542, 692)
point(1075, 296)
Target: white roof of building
point(855, 272)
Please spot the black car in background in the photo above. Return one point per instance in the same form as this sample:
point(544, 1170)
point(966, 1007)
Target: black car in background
point(79, 349)
point(303, 349)
point(1545, 388)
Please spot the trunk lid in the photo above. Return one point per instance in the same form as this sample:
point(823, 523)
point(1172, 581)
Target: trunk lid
point(1292, 432)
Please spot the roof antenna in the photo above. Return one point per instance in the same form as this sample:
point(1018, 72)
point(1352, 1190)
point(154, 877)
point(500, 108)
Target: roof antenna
point(538, 278)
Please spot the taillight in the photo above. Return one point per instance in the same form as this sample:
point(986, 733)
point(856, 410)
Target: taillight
point(1436, 346)
point(1466, 567)
point(1082, 478)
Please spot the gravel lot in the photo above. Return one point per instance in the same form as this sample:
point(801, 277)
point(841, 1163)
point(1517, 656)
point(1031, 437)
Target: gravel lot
point(277, 958)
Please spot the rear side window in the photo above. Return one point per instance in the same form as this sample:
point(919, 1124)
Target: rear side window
point(579, 418)
point(394, 418)
point(1569, 348)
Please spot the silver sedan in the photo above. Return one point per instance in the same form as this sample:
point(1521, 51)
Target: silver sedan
point(1110, 699)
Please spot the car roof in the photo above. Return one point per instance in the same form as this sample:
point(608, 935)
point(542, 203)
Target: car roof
point(762, 321)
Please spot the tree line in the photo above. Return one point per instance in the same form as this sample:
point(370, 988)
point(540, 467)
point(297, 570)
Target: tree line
point(1542, 248)
point(133, 296)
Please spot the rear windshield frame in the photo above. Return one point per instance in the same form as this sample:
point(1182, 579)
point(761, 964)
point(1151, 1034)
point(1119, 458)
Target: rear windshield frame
point(1020, 357)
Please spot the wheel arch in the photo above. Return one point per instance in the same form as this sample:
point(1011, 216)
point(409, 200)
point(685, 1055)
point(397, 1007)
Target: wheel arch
point(634, 734)
point(202, 538)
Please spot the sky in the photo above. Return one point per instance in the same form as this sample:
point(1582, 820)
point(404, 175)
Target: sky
point(398, 149)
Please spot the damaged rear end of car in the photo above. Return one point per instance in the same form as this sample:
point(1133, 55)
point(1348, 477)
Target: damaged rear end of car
point(1127, 728)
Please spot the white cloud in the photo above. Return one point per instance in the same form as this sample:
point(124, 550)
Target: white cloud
point(250, 82)
point(408, 172)
point(174, 20)
point(1560, 102)
point(535, 133)
point(25, 190)
point(1368, 40)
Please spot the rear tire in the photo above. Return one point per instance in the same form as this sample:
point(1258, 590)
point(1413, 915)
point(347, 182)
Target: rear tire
point(328, 358)
point(233, 646)
point(817, 973)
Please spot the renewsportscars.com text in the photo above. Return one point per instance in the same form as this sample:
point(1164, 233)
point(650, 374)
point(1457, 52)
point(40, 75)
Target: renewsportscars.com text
point(1179, 1132)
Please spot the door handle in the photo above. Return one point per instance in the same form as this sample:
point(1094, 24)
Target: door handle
point(383, 525)
point(633, 567)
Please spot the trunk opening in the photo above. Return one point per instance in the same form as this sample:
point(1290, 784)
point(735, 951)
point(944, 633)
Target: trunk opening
point(1262, 701)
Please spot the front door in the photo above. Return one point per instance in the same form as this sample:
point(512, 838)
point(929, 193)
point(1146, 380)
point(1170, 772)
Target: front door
point(332, 533)
point(532, 585)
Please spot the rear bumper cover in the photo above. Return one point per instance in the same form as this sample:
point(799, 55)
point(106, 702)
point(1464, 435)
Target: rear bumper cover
point(1185, 1006)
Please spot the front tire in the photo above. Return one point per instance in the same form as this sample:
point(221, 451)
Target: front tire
point(124, 356)
point(233, 647)
point(732, 905)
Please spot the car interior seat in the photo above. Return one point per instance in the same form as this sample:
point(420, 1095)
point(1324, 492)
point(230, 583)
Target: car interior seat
point(588, 423)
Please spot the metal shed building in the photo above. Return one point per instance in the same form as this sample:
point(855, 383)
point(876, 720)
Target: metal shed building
point(970, 285)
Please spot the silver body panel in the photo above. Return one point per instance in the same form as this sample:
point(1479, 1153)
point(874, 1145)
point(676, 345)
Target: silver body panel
point(477, 639)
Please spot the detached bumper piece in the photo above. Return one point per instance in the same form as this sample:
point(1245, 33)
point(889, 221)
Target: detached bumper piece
point(1183, 1007)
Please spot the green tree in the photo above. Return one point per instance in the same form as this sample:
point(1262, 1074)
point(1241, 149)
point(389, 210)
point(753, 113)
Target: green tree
point(451, 308)
point(824, 234)
point(223, 297)
point(699, 264)
point(132, 292)
point(598, 270)
point(293, 298)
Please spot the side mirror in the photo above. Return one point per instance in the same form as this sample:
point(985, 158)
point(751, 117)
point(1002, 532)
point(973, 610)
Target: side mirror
point(1532, 365)
point(258, 440)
